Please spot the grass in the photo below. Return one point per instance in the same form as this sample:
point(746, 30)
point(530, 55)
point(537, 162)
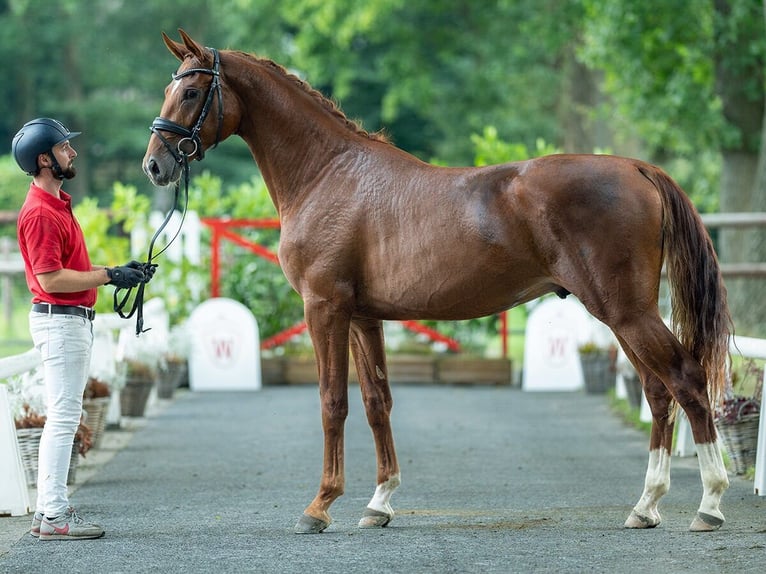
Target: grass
point(631, 416)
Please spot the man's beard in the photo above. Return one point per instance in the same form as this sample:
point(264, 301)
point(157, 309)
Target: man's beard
point(69, 172)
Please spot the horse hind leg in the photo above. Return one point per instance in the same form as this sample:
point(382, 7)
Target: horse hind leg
point(684, 379)
point(369, 357)
point(645, 513)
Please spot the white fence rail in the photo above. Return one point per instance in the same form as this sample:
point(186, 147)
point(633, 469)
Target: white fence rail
point(750, 348)
point(756, 349)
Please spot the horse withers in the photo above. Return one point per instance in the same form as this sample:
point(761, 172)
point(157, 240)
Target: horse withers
point(371, 233)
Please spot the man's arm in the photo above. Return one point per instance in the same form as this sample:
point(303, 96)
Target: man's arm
point(71, 281)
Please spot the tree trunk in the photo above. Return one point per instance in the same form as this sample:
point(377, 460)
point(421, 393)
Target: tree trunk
point(741, 173)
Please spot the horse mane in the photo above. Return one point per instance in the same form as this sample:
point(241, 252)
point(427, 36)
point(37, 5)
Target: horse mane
point(325, 102)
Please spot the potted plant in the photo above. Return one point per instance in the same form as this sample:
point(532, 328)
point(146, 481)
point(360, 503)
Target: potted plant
point(173, 370)
point(738, 415)
point(598, 366)
point(142, 360)
point(140, 378)
point(95, 402)
point(29, 429)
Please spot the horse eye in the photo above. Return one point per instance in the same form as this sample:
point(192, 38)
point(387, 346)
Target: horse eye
point(190, 93)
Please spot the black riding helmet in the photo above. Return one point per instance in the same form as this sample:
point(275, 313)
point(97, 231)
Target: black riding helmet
point(36, 137)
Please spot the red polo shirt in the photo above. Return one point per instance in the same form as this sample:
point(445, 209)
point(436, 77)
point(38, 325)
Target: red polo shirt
point(51, 239)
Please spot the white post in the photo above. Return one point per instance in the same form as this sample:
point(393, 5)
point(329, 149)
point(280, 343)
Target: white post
point(684, 439)
point(14, 495)
point(759, 483)
point(756, 349)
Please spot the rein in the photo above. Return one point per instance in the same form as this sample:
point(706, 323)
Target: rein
point(119, 304)
point(161, 124)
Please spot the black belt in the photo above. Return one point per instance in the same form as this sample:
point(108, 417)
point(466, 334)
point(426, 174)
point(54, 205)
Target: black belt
point(86, 312)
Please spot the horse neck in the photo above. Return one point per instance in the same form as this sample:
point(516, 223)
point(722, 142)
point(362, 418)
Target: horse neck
point(291, 135)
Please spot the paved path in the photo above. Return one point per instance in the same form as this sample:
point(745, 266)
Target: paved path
point(495, 480)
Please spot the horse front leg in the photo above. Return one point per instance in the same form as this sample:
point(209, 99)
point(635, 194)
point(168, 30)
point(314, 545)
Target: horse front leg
point(328, 328)
point(369, 357)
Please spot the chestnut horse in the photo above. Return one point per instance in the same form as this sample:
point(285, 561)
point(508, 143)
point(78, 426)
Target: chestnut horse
point(370, 233)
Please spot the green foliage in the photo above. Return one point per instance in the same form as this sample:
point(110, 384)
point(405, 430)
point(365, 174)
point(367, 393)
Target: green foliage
point(14, 185)
point(490, 149)
point(665, 75)
point(255, 282)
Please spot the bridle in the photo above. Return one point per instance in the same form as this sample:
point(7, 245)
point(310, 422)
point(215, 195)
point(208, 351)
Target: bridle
point(161, 124)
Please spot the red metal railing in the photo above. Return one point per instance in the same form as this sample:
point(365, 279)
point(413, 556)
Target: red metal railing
point(222, 230)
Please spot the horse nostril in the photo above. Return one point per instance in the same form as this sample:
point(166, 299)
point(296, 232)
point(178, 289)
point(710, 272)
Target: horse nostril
point(151, 167)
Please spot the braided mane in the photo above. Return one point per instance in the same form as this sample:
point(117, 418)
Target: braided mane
point(326, 103)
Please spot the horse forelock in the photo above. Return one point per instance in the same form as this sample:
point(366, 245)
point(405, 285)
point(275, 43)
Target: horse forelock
point(323, 100)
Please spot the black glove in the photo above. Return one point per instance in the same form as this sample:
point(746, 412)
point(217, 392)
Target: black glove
point(148, 269)
point(124, 277)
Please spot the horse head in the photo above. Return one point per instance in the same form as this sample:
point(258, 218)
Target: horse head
point(192, 116)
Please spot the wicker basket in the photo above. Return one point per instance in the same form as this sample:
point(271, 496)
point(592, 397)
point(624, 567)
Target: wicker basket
point(634, 389)
point(598, 371)
point(29, 447)
point(170, 379)
point(96, 409)
point(133, 397)
point(741, 440)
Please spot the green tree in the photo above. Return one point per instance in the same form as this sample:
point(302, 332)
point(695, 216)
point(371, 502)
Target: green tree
point(432, 72)
point(694, 91)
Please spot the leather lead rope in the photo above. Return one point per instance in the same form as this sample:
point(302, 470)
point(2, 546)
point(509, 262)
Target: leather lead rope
point(119, 303)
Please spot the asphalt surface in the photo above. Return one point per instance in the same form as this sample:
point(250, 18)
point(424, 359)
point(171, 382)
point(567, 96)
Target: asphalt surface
point(493, 480)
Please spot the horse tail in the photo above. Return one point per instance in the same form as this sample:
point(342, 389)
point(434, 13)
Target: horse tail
point(700, 314)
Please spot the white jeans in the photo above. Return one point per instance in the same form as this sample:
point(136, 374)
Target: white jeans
point(65, 343)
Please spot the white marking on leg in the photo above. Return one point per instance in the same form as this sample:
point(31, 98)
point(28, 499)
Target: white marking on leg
point(656, 484)
point(715, 481)
point(381, 500)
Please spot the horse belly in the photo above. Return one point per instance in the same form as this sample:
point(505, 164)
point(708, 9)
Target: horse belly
point(481, 282)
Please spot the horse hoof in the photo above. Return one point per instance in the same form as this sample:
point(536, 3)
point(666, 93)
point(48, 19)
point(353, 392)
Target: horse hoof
point(636, 520)
point(704, 522)
point(374, 519)
point(310, 525)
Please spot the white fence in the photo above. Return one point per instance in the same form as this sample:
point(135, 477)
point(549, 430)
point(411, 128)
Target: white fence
point(749, 348)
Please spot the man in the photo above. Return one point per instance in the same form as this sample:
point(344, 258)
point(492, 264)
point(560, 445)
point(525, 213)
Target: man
point(64, 286)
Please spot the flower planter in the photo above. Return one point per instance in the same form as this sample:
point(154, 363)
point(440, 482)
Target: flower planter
point(96, 409)
point(29, 447)
point(411, 369)
point(170, 378)
point(737, 423)
point(402, 369)
point(598, 371)
point(741, 441)
point(634, 389)
point(458, 369)
point(133, 397)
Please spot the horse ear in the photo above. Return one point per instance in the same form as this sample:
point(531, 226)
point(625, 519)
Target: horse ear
point(176, 48)
point(193, 47)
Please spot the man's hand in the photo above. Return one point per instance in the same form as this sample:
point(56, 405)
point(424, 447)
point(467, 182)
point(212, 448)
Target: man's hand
point(147, 269)
point(125, 277)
